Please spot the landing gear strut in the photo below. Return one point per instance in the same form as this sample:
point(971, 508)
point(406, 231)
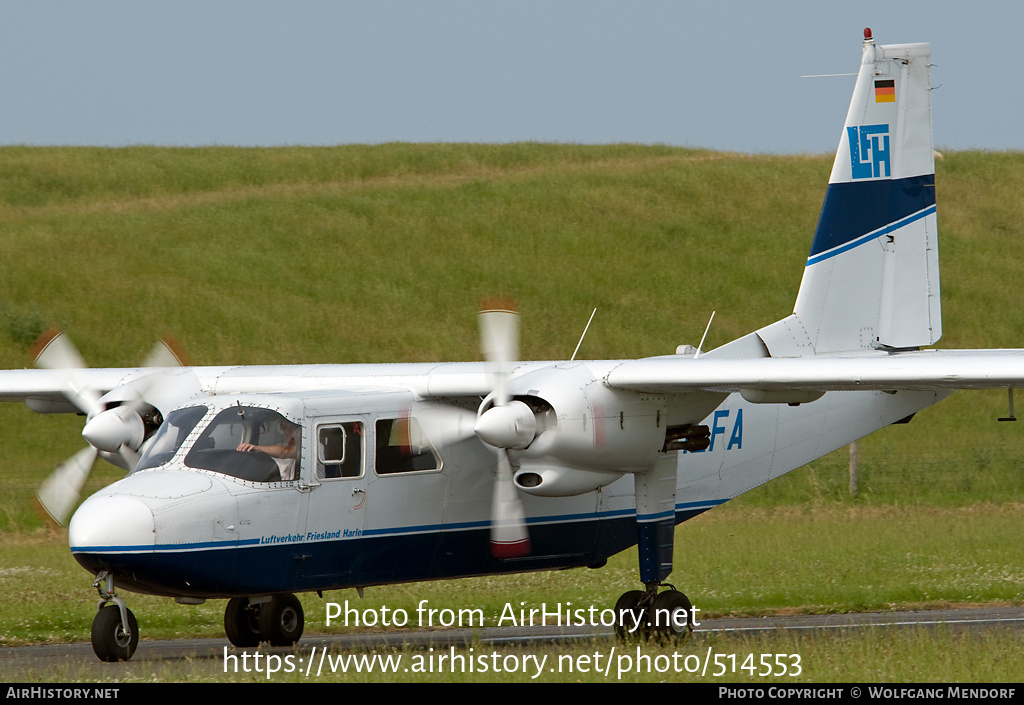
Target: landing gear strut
point(277, 619)
point(648, 614)
point(115, 632)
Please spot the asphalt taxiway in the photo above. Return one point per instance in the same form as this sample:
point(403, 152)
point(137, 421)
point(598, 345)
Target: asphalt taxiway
point(15, 661)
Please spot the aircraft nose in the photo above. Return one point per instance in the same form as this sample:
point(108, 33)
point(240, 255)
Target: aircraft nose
point(109, 521)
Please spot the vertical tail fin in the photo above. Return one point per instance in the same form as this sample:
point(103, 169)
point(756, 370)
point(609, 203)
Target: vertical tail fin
point(872, 277)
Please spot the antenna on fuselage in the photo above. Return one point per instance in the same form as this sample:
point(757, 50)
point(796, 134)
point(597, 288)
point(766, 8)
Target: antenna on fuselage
point(701, 346)
point(585, 329)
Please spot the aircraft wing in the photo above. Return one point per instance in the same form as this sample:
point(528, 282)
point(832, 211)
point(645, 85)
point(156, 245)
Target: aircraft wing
point(50, 385)
point(49, 389)
point(912, 370)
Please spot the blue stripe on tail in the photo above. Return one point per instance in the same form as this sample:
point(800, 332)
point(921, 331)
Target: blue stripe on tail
point(854, 209)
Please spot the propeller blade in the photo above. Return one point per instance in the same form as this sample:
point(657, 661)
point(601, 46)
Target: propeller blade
point(55, 351)
point(509, 537)
point(166, 353)
point(162, 389)
point(445, 425)
point(499, 340)
point(129, 456)
point(59, 494)
point(85, 399)
point(505, 425)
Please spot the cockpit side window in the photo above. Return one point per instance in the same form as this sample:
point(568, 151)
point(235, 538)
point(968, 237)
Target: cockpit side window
point(169, 437)
point(250, 443)
point(339, 450)
point(402, 447)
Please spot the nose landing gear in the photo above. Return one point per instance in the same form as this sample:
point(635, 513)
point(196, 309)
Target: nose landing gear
point(115, 632)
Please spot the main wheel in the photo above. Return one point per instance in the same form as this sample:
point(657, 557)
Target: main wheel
point(672, 616)
point(242, 622)
point(109, 640)
point(282, 620)
point(630, 620)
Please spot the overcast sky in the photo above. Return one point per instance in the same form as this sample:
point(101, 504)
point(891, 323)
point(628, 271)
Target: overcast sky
point(723, 74)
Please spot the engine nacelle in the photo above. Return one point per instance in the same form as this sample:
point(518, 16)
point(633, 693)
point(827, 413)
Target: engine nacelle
point(583, 423)
point(562, 481)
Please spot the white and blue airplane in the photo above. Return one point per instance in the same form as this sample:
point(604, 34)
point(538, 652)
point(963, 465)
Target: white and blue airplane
point(254, 483)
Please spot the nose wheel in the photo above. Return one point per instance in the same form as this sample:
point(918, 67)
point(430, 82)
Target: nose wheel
point(277, 620)
point(115, 632)
point(112, 640)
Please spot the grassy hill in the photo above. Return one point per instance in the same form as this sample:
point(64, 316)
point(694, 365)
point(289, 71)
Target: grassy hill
point(382, 253)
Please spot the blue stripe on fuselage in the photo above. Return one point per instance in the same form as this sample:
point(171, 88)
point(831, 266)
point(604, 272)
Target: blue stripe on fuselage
point(853, 210)
point(223, 569)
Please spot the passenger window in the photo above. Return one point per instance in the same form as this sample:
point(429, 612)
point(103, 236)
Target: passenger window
point(340, 451)
point(402, 447)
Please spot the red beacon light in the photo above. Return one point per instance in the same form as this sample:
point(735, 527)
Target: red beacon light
point(867, 34)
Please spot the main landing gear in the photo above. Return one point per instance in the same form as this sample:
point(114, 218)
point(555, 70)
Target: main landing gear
point(667, 615)
point(647, 614)
point(115, 633)
point(276, 619)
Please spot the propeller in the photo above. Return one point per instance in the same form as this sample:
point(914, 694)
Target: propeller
point(59, 494)
point(117, 432)
point(505, 425)
point(445, 424)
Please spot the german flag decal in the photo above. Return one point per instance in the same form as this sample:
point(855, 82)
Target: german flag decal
point(885, 91)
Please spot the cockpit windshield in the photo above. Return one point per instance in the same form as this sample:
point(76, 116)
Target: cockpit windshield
point(247, 442)
point(169, 437)
point(250, 443)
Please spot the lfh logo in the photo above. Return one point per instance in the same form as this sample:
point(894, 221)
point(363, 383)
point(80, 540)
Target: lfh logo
point(869, 151)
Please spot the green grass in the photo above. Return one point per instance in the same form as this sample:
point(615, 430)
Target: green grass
point(860, 656)
point(382, 253)
point(734, 561)
point(361, 245)
point(386, 265)
point(814, 559)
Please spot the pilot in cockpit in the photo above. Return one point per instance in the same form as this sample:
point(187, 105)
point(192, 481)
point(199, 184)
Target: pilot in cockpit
point(282, 437)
